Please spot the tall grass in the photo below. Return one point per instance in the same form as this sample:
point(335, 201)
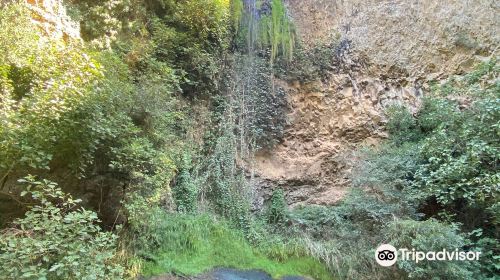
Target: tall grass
point(194, 244)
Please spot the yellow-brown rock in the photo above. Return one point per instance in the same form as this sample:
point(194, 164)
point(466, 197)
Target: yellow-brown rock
point(395, 49)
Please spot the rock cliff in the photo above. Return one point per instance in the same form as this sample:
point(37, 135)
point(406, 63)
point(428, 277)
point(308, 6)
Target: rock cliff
point(396, 48)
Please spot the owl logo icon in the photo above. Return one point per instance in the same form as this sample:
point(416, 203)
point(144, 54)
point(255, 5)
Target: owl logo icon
point(386, 255)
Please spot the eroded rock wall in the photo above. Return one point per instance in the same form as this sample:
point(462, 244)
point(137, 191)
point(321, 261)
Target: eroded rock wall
point(396, 48)
point(399, 37)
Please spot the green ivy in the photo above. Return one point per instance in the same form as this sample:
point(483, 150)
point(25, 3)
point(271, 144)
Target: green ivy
point(185, 191)
point(277, 209)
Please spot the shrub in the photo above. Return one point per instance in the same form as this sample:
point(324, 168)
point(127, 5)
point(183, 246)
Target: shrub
point(59, 102)
point(448, 153)
point(402, 125)
point(207, 19)
point(185, 191)
point(429, 235)
point(277, 209)
point(441, 164)
point(57, 239)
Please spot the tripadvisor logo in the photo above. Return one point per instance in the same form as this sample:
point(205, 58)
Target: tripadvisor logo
point(387, 255)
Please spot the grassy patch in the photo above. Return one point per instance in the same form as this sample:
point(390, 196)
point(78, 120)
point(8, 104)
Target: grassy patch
point(195, 244)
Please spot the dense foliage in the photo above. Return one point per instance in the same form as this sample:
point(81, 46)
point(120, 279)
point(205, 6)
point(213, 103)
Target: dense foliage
point(57, 239)
point(56, 104)
point(115, 108)
point(438, 177)
point(432, 185)
point(153, 120)
point(119, 116)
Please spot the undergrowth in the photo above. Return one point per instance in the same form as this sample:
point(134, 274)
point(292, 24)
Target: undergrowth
point(198, 243)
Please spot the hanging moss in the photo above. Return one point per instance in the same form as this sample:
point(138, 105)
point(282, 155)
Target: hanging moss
point(281, 34)
point(265, 26)
point(237, 9)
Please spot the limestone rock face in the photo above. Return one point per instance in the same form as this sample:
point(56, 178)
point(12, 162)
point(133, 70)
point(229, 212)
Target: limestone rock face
point(413, 38)
point(327, 122)
point(51, 17)
point(397, 48)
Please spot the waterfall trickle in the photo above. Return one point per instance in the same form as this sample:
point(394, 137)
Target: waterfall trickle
point(252, 111)
point(251, 17)
point(257, 105)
